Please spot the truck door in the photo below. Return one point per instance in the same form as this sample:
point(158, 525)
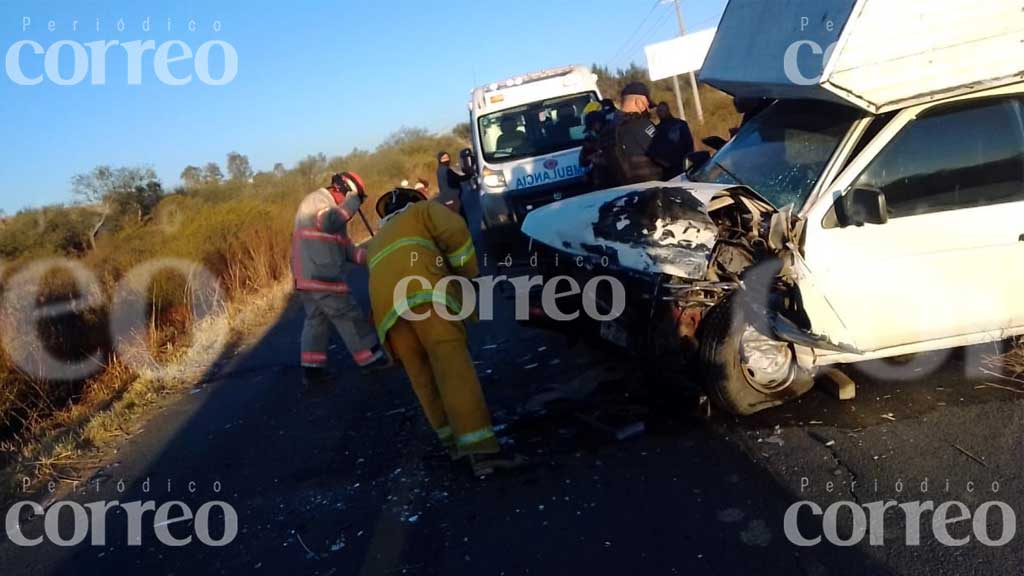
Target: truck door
point(950, 260)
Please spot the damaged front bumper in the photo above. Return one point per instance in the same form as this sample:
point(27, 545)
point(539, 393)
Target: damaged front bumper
point(680, 248)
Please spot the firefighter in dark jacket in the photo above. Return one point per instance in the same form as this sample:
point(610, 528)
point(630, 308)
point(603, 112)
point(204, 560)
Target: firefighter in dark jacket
point(626, 141)
point(322, 258)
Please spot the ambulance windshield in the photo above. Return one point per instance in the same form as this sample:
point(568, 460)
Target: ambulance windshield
point(534, 129)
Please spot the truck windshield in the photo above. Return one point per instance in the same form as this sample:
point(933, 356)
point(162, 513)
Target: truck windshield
point(534, 129)
point(782, 152)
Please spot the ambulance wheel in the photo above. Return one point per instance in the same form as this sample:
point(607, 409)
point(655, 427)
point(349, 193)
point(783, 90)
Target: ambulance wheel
point(742, 371)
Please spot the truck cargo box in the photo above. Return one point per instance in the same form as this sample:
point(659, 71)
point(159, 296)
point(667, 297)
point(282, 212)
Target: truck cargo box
point(879, 55)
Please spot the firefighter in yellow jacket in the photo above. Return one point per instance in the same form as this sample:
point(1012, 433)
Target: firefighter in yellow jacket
point(419, 244)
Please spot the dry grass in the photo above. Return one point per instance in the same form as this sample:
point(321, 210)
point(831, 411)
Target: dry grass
point(117, 402)
point(1010, 364)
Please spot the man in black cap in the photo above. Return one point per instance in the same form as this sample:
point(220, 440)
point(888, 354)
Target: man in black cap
point(672, 143)
point(449, 184)
point(626, 141)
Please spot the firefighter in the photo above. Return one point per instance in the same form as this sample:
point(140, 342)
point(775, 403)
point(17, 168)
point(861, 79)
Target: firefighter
point(419, 243)
point(322, 258)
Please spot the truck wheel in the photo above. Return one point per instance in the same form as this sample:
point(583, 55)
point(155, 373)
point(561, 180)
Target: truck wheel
point(743, 371)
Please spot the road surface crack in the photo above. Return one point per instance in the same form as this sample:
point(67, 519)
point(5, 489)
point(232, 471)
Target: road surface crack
point(830, 445)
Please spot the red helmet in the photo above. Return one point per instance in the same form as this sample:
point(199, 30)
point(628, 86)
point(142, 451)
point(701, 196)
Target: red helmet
point(349, 182)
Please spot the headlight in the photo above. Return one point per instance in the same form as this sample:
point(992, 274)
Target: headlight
point(493, 179)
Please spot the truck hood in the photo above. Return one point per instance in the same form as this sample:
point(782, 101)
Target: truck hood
point(654, 227)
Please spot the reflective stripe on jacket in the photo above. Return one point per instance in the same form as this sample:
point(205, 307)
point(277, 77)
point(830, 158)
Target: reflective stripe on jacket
point(426, 240)
point(322, 253)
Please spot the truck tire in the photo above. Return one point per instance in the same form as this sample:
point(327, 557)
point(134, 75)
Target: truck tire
point(732, 384)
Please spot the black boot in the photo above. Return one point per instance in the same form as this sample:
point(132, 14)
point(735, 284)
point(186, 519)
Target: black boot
point(381, 362)
point(487, 464)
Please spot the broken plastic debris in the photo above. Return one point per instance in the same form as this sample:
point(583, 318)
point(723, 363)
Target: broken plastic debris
point(338, 544)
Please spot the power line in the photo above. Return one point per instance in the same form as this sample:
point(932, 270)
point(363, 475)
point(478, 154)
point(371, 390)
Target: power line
point(631, 36)
point(644, 40)
point(635, 44)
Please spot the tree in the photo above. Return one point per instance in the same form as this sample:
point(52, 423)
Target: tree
point(192, 177)
point(312, 170)
point(239, 168)
point(107, 190)
point(212, 173)
point(144, 198)
point(463, 131)
point(279, 170)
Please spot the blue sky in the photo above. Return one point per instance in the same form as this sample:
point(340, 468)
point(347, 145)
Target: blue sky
point(312, 77)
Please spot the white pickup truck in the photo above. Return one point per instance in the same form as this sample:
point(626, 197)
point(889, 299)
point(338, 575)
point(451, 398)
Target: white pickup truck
point(876, 212)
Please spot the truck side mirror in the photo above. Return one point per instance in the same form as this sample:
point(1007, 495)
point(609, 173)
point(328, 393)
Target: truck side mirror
point(715, 142)
point(695, 160)
point(861, 206)
point(467, 162)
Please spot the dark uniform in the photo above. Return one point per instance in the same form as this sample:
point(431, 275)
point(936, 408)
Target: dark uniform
point(449, 186)
point(625, 146)
point(672, 144)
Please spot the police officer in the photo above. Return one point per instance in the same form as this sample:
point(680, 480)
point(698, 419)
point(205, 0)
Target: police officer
point(626, 141)
point(672, 143)
point(449, 184)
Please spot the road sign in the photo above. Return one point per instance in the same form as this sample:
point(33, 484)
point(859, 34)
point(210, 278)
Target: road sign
point(679, 55)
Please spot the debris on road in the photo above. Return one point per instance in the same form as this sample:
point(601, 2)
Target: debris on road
point(969, 455)
point(309, 553)
point(576, 389)
point(889, 417)
point(999, 386)
point(620, 424)
point(1011, 362)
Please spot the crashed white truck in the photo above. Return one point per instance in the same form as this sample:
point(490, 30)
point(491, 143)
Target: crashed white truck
point(877, 211)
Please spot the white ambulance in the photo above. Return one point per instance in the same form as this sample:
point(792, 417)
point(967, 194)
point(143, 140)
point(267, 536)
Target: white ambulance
point(527, 132)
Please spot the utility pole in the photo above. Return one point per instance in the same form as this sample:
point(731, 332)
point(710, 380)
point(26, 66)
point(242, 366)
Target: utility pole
point(693, 76)
point(679, 97)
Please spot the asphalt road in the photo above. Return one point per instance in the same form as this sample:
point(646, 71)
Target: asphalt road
point(352, 483)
